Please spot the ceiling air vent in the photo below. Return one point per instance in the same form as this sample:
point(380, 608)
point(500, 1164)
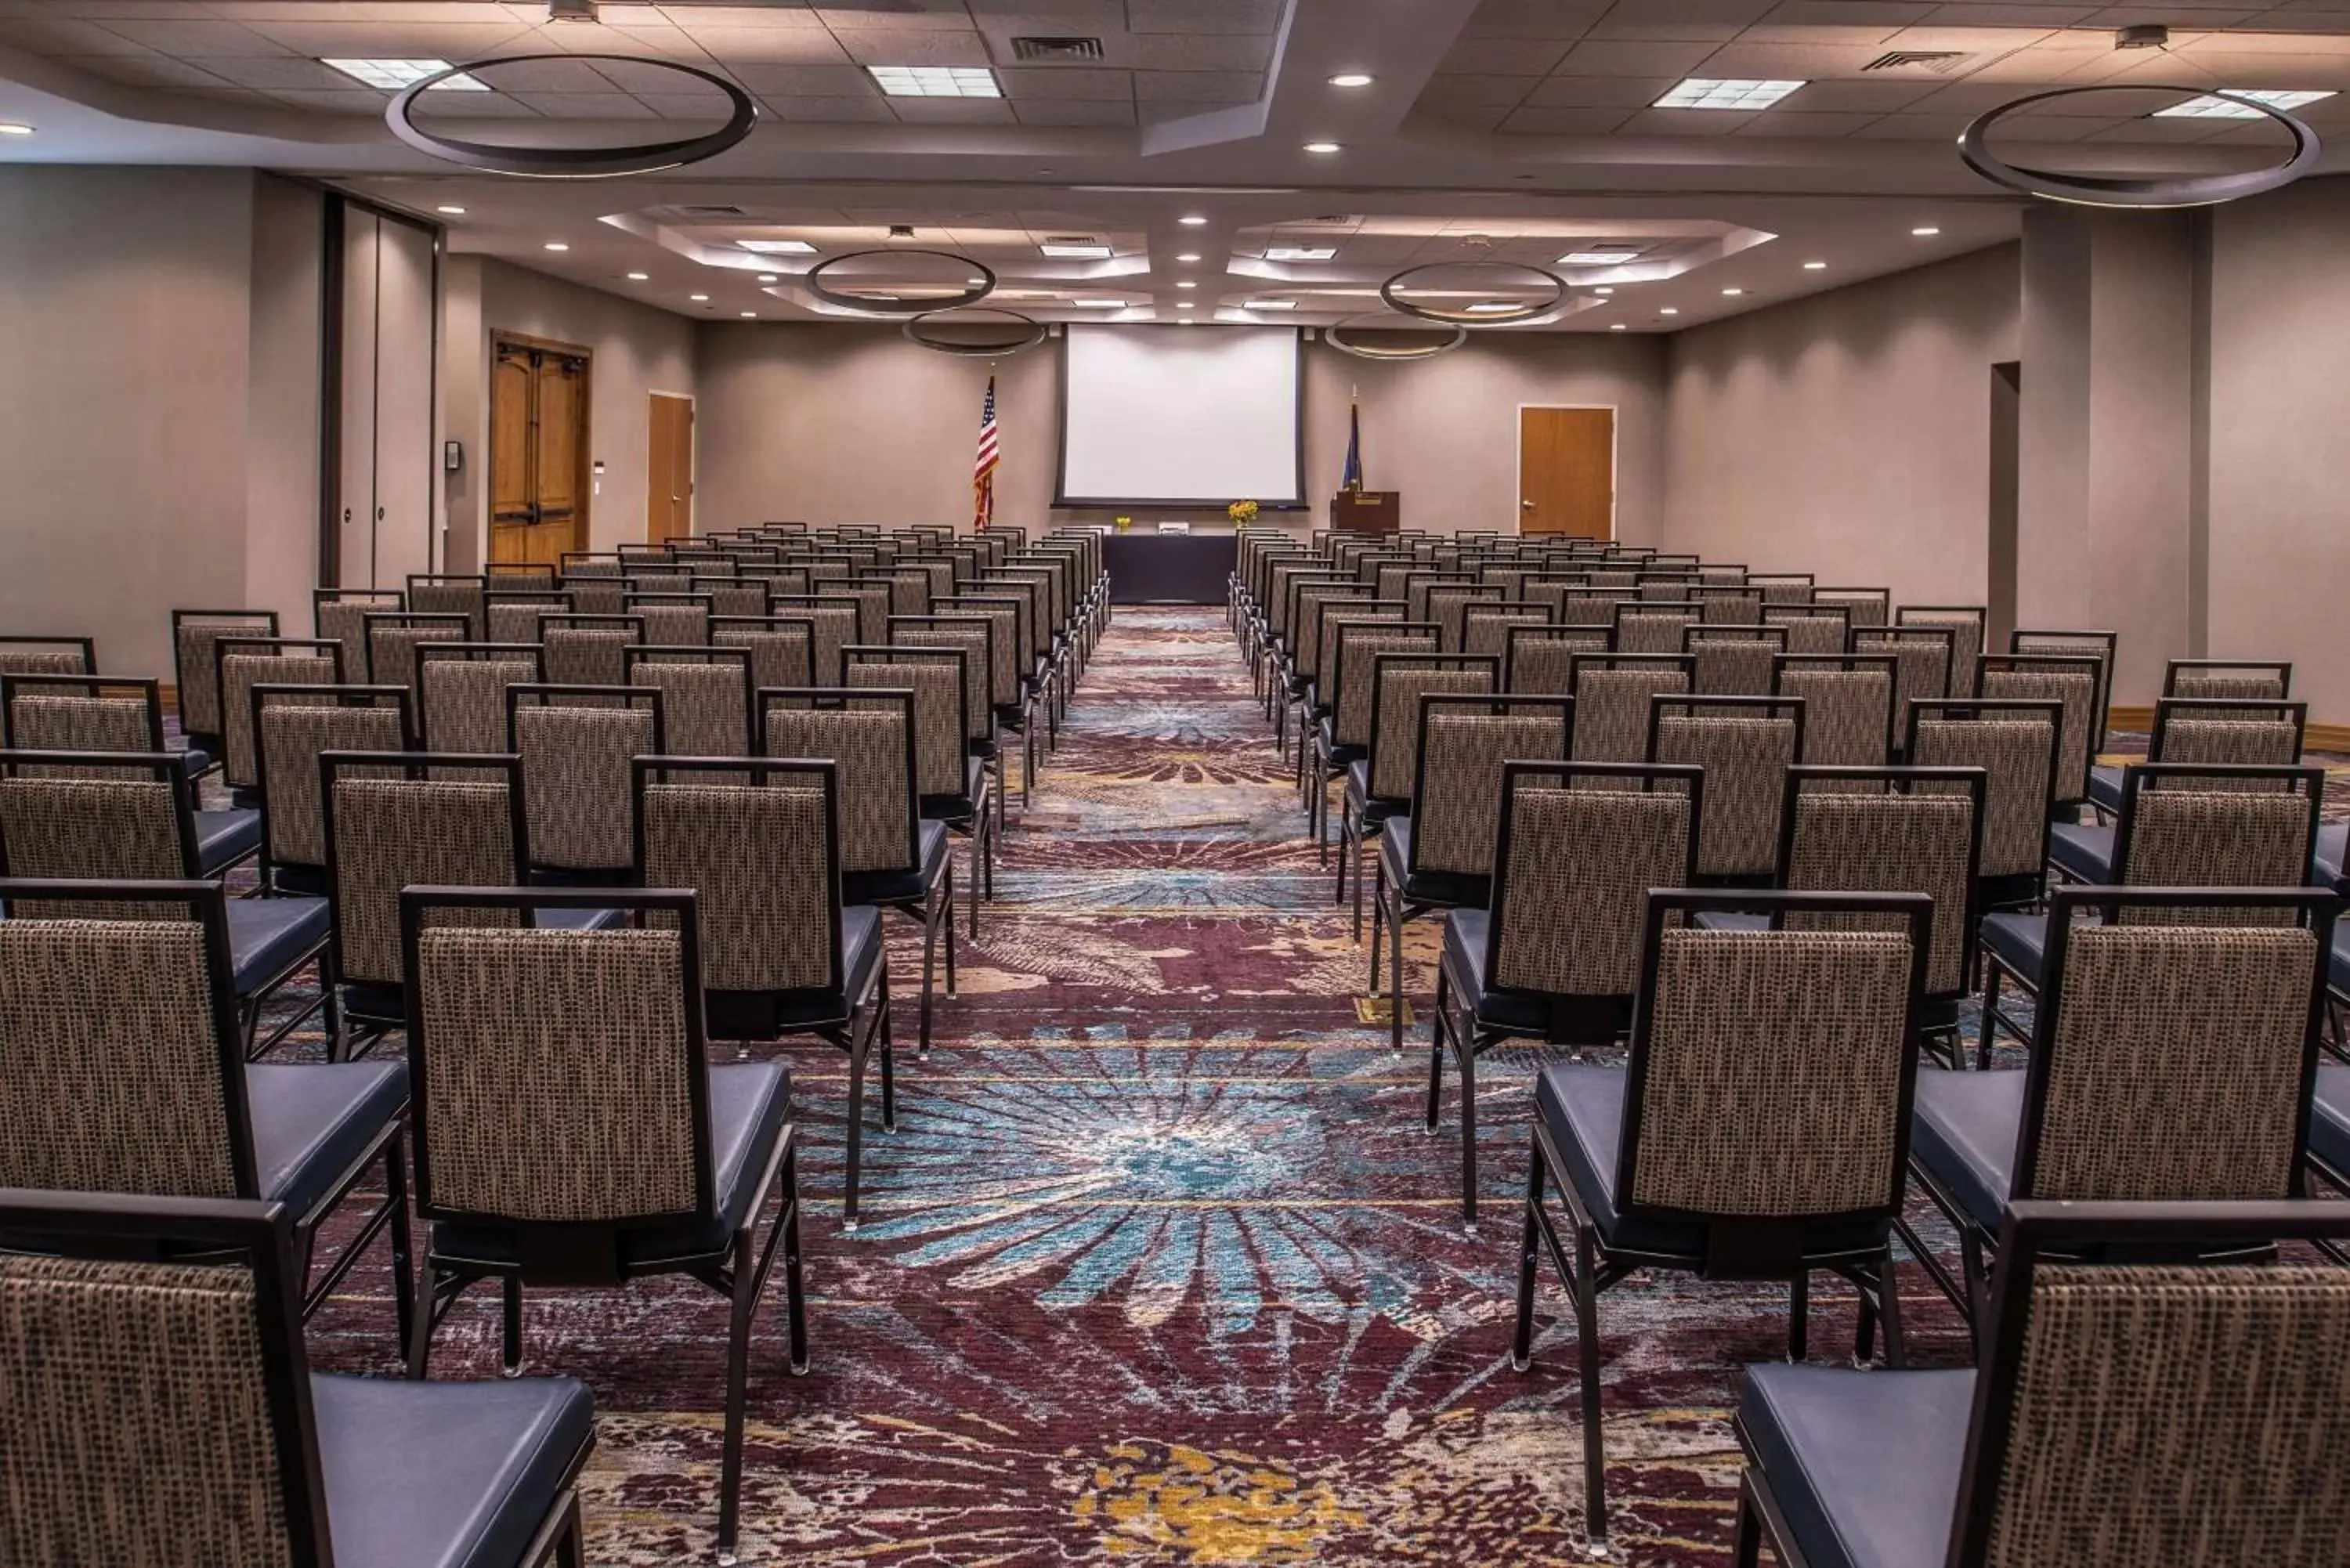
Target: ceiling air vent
point(1045, 51)
point(721, 212)
point(1939, 62)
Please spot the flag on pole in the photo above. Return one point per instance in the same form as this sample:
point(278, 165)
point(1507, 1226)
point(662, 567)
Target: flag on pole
point(1352, 479)
point(983, 467)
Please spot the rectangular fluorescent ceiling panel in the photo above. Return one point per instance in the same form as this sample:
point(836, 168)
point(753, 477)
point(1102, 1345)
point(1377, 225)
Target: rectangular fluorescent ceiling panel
point(777, 247)
point(1100, 304)
point(394, 75)
point(1066, 252)
point(1300, 253)
point(1270, 304)
point(1596, 258)
point(2214, 106)
point(936, 81)
point(1726, 92)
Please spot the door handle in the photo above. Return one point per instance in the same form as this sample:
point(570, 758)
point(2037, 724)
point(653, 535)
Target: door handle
point(1527, 504)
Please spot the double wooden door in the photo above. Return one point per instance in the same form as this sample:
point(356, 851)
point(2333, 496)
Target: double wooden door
point(1566, 472)
point(539, 451)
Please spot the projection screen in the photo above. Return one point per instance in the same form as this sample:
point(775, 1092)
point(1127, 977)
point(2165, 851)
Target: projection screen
point(1162, 416)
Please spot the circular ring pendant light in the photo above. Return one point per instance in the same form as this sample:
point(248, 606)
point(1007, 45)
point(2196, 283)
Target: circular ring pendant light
point(1445, 315)
point(813, 279)
point(1334, 335)
point(2117, 190)
point(1020, 332)
point(574, 163)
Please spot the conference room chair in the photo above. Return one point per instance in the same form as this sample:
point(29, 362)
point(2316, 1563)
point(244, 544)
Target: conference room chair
point(834, 619)
point(1614, 693)
point(672, 619)
point(587, 649)
point(1555, 957)
point(523, 574)
point(1305, 668)
point(974, 638)
point(195, 673)
point(1723, 603)
point(1665, 586)
point(2181, 826)
point(245, 663)
point(1486, 625)
point(461, 697)
point(292, 726)
point(2072, 680)
point(1742, 1140)
point(2119, 1099)
point(1745, 744)
point(731, 595)
point(2263, 680)
point(2016, 744)
point(1782, 587)
point(1379, 786)
point(1040, 679)
point(1862, 607)
point(708, 697)
point(1008, 697)
point(2099, 1426)
point(21, 655)
point(49, 712)
point(339, 615)
point(571, 1133)
point(1341, 738)
point(782, 645)
point(576, 744)
point(394, 636)
point(1440, 854)
point(757, 842)
point(1654, 626)
point(1921, 656)
point(452, 593)
point(127, 815)
point(1537, 660)
point(1732, 660)
point(511, 615)
point(1447, 603)
point(2101, 646)
point(891, 858)
point(1968, 626)
point(1289, 646)
point(779, 578)
point(952, 786)
point(2199, 756)
point(165, 1412)
point(596, 594)
point(1848, 714)
point(1811, 628)
point(2251, 732)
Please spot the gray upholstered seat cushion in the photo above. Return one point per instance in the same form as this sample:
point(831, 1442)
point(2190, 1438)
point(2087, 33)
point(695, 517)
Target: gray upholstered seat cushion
point(1963, 1134)
point(444, 1475)
point(2329, 1121)
point(1864, 1465)
point(901, 887)
point(2334, 855)
point(2083, 853)
point(1465, 935)
point(2018, 941)
point(1426, 887)
point(2105, 788)
point(312, 1120)
point(269, 936)
point(225, 837)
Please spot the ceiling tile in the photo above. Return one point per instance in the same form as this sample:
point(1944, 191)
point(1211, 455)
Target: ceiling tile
point(1502, 57)
point(1874, 96)
point(924, 46)
point(1476, 92)
point(1030, 82)
point(696, 106)
point(40, 36)
point(1198, 86)
point(1687, 21)
point(1801, 123)
point(1557, 121)
point(1200, 52)
point(155, 71)
point(951, 111)
point(358, 102)
point(771, 46)
point(392, 40)
point(585, 105)
point(190, 40)
point(1634, 59)
point(1074, 111)
point(872, 109)
point(545, 76)
point(1685, 122)
point(1600, 92)
point(699, 17)
point(1203, 16)
point(1790, 62)
point(1914, 127)
point(280, 71)
point(807, 81)
point(1533, 18)
point(918, 15)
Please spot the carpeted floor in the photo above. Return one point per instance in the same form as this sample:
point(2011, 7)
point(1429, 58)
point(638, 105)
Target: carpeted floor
point(1160, 1268)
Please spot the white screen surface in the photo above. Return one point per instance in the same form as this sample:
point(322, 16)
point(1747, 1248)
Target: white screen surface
point(1162, 414)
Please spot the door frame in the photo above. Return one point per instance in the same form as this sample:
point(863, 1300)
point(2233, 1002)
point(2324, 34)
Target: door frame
point(583, 482)
point(333, 209)
point(1615, 454)
point(692, 451)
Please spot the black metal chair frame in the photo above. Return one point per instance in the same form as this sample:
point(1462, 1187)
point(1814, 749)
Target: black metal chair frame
point(1329, 759)
point(1018, 714)
point(969, 818)
point(2099, 672)
point(637, 655)
point(987, 747)
point(2021, 890)
point(345, 696)
point(203, 740)
point(2077, 643)
point(1689, 705)
point(547, 695)
point(223, 648)
point(88, 646)
point(148, 689)
point(1354, 822)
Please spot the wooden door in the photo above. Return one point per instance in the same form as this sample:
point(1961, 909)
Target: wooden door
point(1566, 472)
point(559, 439)
point(538, 444)
point(668, 469)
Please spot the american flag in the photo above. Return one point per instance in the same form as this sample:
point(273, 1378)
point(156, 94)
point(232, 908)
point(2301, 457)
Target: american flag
point(983, 467)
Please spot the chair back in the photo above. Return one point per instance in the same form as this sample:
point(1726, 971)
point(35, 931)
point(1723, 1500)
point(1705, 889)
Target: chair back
point(834, 617)
point(1486, 625)
point(1655, 625)
point(1745, 744)
point(339, 615)
point(940, 689)
point(1356, 645)
point(734, 597)
point(294, 726)
point(974, 638)
point(1538, 659)
point(758, 844)
point(394, 637)
point(450, 593)
point(1811, 628)
point(1457, 794)
point(557, 1076)
point(160, 1412)
point(126, 1066)
point(1448, 606)
point(1968, 624)
point(1614, 693)
point(2097, 645)
point(671, 621)
point(195, 670)
point(1770, 1074)
point(1921, 654)
point(1727, 603)
point(1732, 660)
point(2263, 680)
point(522, 575)
point(2239, 732)
point(2174, 1062)
point(462, 692)
point(781, 647)
point(394, 819)
point(585, 650)
point(1782, 587)
point(910, 589)
point(1571, 871)
point(2204, 826)
point(49, 655)
point(1847, 705)
point(867, 735)
point(1002, 615)
point(512, 615)
point(1862, 607)
point(96, 816)
point(2072, 680)
point(707, 698)
point(576, 744)
point(2016, 744)
point(40, 712)
point(1891, 830)
point(1316, 600)
point(248, 662)
point(1399, 681)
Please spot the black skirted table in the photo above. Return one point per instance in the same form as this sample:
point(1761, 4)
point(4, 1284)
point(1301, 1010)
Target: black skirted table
point(1169, 568)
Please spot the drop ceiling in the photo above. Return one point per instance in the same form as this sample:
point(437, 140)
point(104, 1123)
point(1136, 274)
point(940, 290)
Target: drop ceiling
point(1514, 131)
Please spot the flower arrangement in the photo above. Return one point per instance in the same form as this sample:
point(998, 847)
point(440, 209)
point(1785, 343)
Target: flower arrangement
point(1242, 513)
point(1125, 523)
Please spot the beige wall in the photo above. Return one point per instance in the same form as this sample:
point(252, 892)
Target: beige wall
point(636, 351)
point(829, 424)
point(1847, 434)
point(281, 553)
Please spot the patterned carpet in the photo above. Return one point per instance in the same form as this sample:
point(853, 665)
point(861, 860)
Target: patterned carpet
point(1160, 1268)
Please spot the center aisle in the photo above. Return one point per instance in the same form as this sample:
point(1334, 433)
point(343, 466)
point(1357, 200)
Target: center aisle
point(1159, 1266)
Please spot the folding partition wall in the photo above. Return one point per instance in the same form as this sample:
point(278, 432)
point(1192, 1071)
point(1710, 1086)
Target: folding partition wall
point(378, 459)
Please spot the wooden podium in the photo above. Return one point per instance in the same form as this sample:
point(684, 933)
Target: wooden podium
point(1366, 512)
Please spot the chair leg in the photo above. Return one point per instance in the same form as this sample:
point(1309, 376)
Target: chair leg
point(1983, 1029)
point(1466, 1050)
point(946, 909)
point(403, 1262)
point(510, 1362)
point(1799, 1305)
point(856, 1050)
point(571, 1547)
point(1746, 1546)
point(1436, 1048)
point(1522, 1340)
point(1395, 971)
point(1595, 1453)
point(794, 1287)
point(738, 1375)
point(1378, 912)
point(929, 973)
point(420, 1337)
point(889, 1073)
point(1888, 1298)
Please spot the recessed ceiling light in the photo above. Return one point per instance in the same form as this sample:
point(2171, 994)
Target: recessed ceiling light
point(1602, 293)
point(14, 128)
point(1078, 253)
point(557, 245)
point(935, 82)
point(1189, 256)
point(1726, 92)
point(1186, 283)
point(452, 212)
point(1671, 310)
point(394, 75)
point(1597, 258)
point(777, 247)
point(638, 277)
point(1183, 324)
point(1733, 293)
point(696, 298)
point(1270, 304)
point(1351, 78)
point(1185, 305)
point(1925, 231)
point(1617, 326)
point(768, 277)
point(1494, 307)
point(750, 316)
point(1815, 266)
point(1300, 253)
point(2222, 105)
point(1191, 220)
point(1321, 147)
